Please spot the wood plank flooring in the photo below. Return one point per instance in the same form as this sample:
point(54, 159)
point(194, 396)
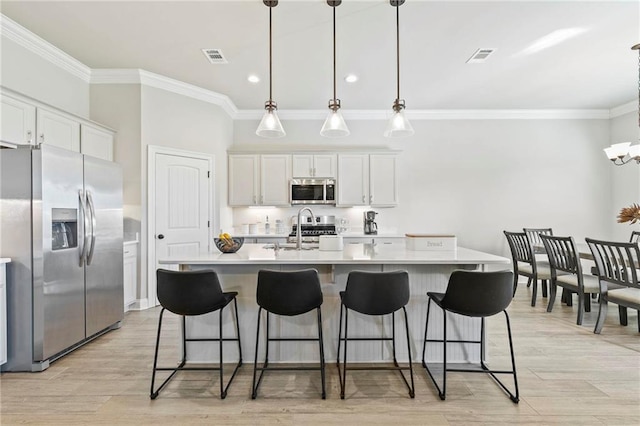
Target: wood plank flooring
point(567, 375)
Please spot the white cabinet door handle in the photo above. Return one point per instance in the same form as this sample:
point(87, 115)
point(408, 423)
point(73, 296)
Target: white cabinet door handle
point(262, 199)
point(29, 137)
point(370, 198)
point(254, 200)
point(363, 198)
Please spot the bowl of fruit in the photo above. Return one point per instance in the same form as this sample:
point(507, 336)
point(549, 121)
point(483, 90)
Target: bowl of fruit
point(228, 244)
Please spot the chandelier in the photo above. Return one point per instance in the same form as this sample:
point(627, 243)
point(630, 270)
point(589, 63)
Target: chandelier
point(624, 152)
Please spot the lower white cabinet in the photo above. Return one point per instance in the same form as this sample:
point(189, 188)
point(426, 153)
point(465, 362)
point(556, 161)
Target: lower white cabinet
point(3, 314)
point(130, 274)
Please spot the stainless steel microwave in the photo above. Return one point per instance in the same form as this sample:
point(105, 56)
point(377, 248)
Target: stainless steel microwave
point(313, 191)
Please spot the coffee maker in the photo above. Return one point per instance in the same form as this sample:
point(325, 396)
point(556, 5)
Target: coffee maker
point(370, 226)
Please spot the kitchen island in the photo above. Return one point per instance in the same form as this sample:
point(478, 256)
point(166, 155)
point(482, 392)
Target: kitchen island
point(428, 271)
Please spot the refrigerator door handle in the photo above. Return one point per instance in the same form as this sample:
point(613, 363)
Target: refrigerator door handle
point(92, 212)
point(83, 209)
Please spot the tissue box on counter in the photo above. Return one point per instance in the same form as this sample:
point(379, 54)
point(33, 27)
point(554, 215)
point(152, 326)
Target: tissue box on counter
point(430, 242)
point(331, 242)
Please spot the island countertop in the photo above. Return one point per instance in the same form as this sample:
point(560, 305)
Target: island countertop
point(257, 254)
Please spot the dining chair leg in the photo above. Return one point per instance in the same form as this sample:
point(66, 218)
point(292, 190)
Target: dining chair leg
point(529, 282)
point(553, 288)
point(602, 314)
point(544, 288)
point(587, 302)
point(581, 302)
point(534, 292)
point(622, 310)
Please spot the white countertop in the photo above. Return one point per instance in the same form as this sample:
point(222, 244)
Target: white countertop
point(345, 235)
point(252, 254)
point(5, 260)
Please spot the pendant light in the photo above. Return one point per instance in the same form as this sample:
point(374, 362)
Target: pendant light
point(398, 125)
point(334, 126)
point(270, 126)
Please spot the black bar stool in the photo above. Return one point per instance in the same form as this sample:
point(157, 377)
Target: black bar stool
point(288, 293)
point(473, 294)
point(375, 293)
point(192, 293)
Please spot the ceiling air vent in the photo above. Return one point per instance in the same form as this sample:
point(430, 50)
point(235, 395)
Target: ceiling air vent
point(480, 56)
point(214, 56)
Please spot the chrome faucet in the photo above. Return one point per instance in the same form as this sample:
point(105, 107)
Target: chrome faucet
point(299, 228)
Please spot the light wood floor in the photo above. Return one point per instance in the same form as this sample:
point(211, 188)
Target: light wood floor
point(567, 375)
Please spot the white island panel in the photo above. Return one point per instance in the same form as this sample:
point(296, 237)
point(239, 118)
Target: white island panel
point(428, 271)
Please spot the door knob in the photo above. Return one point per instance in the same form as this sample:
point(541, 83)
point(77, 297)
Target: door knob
point(160, 237)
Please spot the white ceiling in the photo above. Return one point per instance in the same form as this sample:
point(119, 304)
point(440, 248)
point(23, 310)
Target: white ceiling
point(593, 70)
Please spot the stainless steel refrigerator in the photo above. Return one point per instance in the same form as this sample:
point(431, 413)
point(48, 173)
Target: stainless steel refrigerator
point(61, 225)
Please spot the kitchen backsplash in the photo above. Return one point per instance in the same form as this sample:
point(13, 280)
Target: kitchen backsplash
point(353, 218)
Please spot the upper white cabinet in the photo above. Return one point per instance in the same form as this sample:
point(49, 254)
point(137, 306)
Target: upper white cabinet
point(367, 180)
point(314, 165)
point(58, 130)
point(275, 172)
point(18, 121)
point(96, 142)
point(259, 180)
point(26, 121)
point(353, 180)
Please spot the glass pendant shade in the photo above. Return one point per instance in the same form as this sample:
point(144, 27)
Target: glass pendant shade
point(618, 150)
point(398, 126)
point(270, 126)
point(634, 152)
point(334, 126)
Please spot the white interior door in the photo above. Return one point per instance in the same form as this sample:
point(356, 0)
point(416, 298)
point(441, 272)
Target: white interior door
point(182, 206)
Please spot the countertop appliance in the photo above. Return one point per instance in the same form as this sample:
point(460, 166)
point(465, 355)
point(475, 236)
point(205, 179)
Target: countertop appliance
point(312, 191)
point(370, 226)
point(310, 231)
point(61, 222)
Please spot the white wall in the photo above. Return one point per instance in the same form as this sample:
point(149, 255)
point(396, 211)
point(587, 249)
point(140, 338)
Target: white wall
point(146, 116)
point(28, 73)
point(625, 187)
point(476, 178)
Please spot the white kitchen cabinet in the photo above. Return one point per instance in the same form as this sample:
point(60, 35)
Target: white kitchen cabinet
point(353, 180)
point(18, 121)
point(367, 180)
point(314, 165)
point(130, 267)
point(383, 181)
point(57, 130)
point(243, 179)
point(96, 142)
point(275, 173)
point(256, 180)
point(3, 313)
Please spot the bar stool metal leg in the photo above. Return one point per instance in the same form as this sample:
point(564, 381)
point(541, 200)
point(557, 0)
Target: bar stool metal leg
point(322, 363)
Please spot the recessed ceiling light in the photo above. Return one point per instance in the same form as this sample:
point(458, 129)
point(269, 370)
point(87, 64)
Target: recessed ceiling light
point(351, 78)
point(253, 78)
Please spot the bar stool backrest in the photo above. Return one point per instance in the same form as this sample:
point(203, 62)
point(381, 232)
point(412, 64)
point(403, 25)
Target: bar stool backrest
point(289, 292)
point(562, 253)
point(189, 292)
point(478, 294)
point(616, 262)
point(376, 293)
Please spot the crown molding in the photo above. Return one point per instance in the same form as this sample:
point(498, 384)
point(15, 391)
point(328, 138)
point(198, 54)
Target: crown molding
point(137, 76)
point(20, 35)
point(25, 38)
point(461, 114)
point(623, 109)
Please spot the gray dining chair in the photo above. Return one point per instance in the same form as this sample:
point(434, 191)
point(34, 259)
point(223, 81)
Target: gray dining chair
point(524, 263)
point(635, 237)
point(617, 265)
point(566, 272)
point(539, 253)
